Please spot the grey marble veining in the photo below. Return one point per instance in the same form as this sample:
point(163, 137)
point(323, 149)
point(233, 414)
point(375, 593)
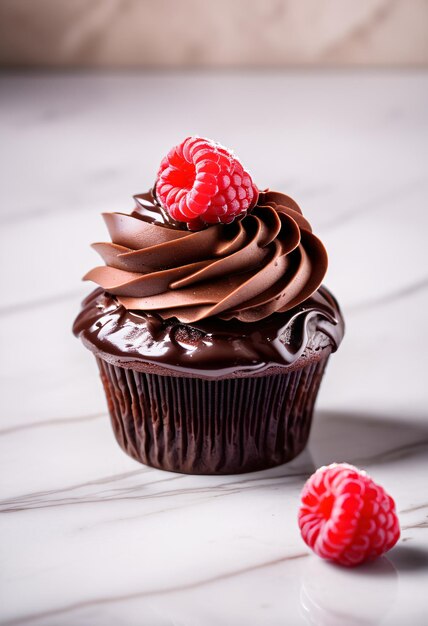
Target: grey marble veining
point(87, 536)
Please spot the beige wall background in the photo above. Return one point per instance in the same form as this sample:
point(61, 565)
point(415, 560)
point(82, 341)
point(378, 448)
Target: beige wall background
point(213, 33)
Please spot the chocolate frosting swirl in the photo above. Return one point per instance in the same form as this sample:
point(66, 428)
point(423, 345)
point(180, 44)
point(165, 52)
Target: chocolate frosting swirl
point(270, 261)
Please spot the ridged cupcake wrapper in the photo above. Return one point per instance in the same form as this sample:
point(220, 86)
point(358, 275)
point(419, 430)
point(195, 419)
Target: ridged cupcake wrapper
point(198, 426)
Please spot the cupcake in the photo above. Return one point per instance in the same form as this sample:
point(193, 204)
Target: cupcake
point(209, 324)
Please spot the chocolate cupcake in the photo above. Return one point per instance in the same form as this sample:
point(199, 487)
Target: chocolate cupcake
point(209, 326)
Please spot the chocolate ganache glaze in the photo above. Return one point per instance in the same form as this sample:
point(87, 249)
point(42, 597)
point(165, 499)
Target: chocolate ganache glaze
point(268, 262)
point(210, 348)
point(233, 299)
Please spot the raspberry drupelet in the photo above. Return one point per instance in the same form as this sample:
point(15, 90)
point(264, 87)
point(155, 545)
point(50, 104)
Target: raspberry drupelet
point(346, 517)
point(200, 182)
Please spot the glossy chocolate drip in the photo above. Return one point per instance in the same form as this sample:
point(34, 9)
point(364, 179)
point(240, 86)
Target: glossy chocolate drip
point(211, 347)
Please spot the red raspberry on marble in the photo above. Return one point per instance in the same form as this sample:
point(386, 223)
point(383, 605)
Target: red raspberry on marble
point(200, 182)
point(346, 517)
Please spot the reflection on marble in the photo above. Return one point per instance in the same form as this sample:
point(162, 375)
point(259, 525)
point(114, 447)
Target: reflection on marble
point(331, 596)
point(87, 535)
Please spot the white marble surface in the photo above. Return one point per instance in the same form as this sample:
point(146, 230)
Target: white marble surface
point(87, 535)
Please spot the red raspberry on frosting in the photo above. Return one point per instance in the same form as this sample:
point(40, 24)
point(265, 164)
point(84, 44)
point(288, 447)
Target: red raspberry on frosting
point(200, 182)
point(346, 517)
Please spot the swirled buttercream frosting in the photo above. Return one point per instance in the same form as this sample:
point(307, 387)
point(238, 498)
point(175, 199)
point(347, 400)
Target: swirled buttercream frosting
point(268, 262)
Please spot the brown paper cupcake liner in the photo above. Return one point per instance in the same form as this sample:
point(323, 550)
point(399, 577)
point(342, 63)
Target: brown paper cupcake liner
point(198, 426)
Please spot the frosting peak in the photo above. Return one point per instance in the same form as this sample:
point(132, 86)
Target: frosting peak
point(268, 262)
